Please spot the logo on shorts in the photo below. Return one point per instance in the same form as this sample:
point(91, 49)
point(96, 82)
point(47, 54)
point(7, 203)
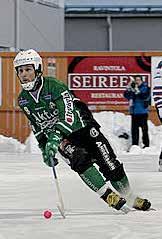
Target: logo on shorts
point(93, 132)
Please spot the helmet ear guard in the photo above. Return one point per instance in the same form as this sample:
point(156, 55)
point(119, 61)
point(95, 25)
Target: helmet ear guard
point(39, 72)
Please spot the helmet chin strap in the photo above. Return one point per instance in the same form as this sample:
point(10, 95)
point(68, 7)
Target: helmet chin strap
point(30, 85)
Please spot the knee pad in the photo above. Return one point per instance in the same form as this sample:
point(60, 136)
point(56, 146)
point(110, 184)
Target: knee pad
point(78, 157)
point(80, 160)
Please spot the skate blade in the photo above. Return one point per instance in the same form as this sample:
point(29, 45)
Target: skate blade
point(126, 209)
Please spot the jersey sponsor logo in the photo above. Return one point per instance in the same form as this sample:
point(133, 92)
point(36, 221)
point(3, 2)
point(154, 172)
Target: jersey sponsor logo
point(23, 102)
point(94, 132)
point(68, 103)
point(89, 183)
point(69, 149)
point(47, 97)
point(105, 153)
point(52, 105)
point(46, 119)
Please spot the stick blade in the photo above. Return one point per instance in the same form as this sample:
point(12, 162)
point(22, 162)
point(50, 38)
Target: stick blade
point(62, 212)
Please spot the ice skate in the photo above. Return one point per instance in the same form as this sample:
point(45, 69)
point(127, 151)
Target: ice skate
point(113, 199)
point(141, 204)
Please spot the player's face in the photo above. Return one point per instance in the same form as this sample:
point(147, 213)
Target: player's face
point(26, 73)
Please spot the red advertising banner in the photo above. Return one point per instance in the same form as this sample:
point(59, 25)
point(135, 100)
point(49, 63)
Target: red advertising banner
point(102, 80)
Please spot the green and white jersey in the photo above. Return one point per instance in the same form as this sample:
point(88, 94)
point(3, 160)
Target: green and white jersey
point(51, 109)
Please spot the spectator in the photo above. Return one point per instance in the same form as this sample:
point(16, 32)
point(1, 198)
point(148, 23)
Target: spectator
point(138, 95)
point(157, 96)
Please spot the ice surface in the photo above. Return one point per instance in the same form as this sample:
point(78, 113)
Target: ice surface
point(27, 189)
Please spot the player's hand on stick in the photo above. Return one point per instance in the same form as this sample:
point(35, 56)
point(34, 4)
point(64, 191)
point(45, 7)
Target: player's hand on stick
point(51, 149)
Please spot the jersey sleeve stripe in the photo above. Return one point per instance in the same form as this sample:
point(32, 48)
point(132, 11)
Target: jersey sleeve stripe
point(65, 127)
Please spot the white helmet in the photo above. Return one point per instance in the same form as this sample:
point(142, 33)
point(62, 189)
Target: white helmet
point(29, 57)
point(26, 58)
